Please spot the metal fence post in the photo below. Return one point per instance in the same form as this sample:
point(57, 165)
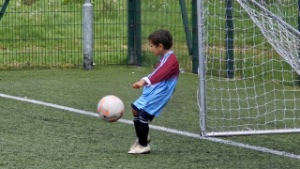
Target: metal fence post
point(134, 32)
point(229, 40)
point(195, 51)
point(88, 39)
point(3, 8)
point(186, 26)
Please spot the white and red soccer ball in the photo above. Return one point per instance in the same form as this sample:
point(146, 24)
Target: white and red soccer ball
point(110, 108)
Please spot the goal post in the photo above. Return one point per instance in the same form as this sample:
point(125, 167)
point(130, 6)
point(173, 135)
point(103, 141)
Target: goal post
point(262, 95)
point(201, 69)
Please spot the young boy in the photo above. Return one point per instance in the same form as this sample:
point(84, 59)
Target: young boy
point(158, 88)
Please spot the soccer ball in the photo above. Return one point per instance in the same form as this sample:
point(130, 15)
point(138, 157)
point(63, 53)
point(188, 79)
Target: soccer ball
point(110, 108)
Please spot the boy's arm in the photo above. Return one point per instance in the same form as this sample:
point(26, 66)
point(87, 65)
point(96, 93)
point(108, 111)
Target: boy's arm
point(139, 84)
point(164, 71)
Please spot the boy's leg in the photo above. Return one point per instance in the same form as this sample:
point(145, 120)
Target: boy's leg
point(136, 122)
point(143, 127)
point(136, 119)
point(142, 146)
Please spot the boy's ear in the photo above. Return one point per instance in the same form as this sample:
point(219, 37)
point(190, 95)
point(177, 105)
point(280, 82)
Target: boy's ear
point(161, 45)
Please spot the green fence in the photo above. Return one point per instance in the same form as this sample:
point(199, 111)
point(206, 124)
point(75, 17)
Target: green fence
point(37, 33)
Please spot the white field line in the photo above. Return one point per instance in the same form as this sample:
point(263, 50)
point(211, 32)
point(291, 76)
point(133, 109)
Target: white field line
point(169, 130)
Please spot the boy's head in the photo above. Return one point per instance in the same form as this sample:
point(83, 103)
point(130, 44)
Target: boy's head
point(160, 40)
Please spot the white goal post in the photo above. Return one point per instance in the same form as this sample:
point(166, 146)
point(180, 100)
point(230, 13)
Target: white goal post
point(249, 67)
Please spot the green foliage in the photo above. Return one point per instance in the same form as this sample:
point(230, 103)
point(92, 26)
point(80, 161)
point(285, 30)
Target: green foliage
point(65, 2)
point(157, 5)
point(29, 2)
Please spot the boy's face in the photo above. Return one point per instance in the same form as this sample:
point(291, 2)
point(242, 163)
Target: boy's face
point(156, 50)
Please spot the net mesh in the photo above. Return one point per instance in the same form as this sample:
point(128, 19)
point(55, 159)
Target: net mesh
point(283, 37)
point(262, 95)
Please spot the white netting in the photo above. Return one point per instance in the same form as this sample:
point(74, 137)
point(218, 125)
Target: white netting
point(282, 36)
point(263, 95)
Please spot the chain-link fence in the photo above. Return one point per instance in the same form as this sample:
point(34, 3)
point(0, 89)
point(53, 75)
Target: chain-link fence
point(49, 33)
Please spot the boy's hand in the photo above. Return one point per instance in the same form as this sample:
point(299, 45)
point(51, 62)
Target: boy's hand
point(139, 84)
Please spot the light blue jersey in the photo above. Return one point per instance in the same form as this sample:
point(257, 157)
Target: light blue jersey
point(161, 85)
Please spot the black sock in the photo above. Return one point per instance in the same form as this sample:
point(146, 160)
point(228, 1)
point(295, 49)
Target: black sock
point(143, 133)
point(136, 122)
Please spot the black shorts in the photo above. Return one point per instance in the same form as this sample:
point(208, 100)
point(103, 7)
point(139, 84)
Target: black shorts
point(142, 113)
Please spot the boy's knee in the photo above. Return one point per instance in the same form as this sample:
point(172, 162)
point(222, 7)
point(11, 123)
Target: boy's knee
point(135, 110)
point(146, 116)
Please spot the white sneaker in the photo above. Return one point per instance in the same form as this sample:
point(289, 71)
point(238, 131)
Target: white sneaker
point(136, 143)
point(140, 149)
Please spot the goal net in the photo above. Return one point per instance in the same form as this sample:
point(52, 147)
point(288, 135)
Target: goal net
point(252, 67)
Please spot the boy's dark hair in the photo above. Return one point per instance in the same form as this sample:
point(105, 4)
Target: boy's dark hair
point(161, 36)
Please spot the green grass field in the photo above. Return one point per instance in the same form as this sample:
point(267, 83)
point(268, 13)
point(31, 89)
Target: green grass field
point(36, 136)
point(49, 34)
